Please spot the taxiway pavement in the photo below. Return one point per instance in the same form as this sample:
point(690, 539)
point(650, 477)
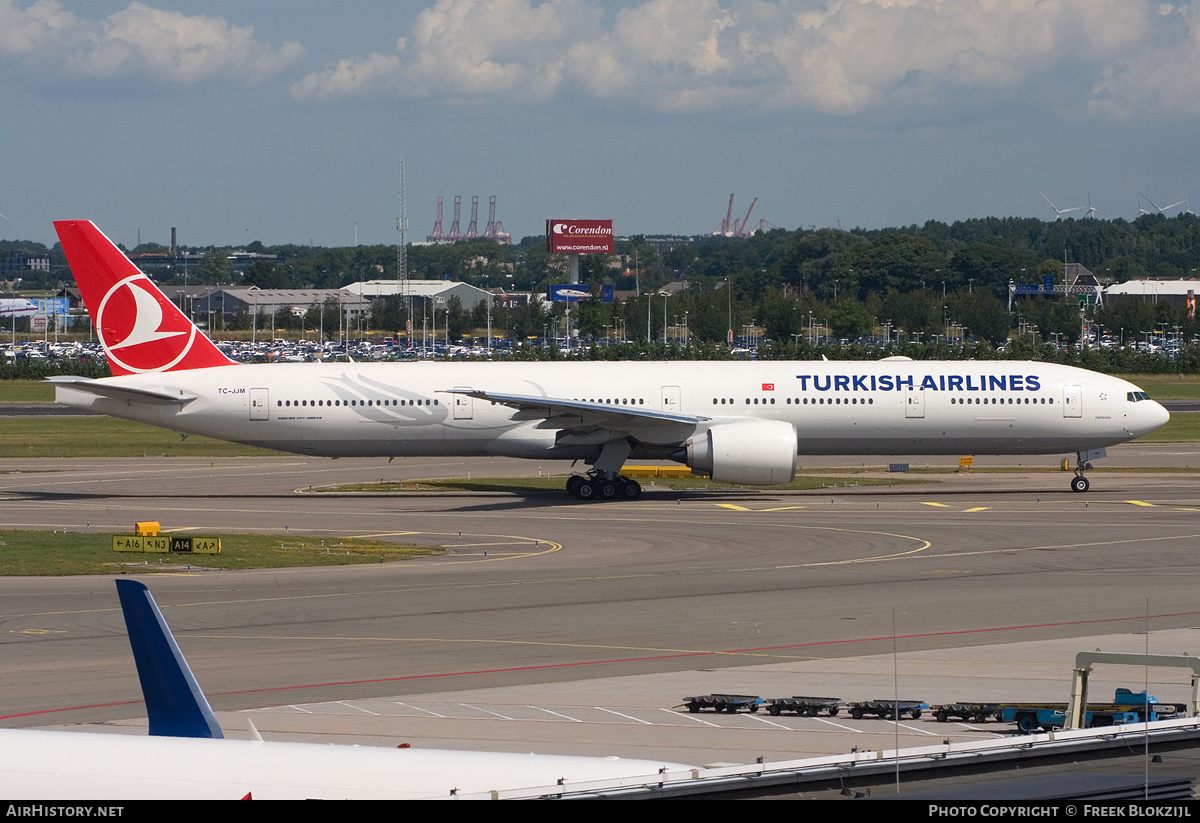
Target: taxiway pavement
point(542, 602)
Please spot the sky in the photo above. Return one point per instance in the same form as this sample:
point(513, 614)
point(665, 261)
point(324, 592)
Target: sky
point(285, 121)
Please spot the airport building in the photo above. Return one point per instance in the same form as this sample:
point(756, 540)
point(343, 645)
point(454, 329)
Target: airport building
point(422, 290)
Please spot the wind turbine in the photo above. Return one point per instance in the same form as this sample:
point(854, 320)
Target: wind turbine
point(1161, 210)
point(1060, 212)
point(1091, 212)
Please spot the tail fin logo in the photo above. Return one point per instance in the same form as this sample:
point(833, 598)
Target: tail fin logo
point(137, 333)
point(141, 330)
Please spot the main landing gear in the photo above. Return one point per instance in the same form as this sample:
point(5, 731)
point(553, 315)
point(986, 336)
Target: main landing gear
point(603, 486)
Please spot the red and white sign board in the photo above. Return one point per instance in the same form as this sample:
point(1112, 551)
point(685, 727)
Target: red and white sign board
point(579, 236)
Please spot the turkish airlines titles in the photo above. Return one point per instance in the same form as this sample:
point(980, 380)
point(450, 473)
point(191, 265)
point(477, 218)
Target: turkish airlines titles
point(940, 382)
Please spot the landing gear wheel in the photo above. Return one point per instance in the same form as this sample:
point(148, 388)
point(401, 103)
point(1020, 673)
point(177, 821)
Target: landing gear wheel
point(630, 490)
point(1079, 483)
point(573, 484)
point(585, 491)
point(605, 489)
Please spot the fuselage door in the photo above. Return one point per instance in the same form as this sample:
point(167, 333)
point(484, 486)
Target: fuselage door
point(259, 404)
point(914, 402)
point(1072, 401)
point(464, 408)
point(670, 398)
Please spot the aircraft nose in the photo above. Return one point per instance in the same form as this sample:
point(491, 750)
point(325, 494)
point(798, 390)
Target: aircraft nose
point(1161, 415)
point(1148, 416)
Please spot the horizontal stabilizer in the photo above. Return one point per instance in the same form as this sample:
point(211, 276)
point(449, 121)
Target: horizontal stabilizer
point(103, 388)
point(174, 702)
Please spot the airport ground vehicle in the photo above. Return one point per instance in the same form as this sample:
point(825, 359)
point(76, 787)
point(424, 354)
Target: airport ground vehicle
point(1127, 707)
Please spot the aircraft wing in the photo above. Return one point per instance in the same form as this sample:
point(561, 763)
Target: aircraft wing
point(103, 388)
point(575, 414)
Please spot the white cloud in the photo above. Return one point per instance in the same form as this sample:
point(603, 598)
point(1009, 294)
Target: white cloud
point(469, 49)
point(1164, 80)
point(137, 41)
point(838, 56)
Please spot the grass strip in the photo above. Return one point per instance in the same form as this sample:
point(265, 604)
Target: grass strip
point(31, 553)
point(107, 437)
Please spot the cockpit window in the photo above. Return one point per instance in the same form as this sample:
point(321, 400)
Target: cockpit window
point(1135, 396)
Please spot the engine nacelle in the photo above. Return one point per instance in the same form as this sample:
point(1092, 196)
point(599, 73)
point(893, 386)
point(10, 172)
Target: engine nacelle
point(754, 452)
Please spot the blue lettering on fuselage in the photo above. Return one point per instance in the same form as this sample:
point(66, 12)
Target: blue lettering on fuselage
point(943, 382)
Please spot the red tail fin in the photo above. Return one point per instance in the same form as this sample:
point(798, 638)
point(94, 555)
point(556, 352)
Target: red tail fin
point(140, 329)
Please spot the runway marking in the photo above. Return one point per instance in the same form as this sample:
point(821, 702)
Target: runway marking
point(556, 714)
point(486, 711)
point(841, 726)
point(770, 722)
point(737, 508)
point(912, 729)
point(419, 709)
point(356, 708)
point(939, 505)
point(976, 509)
point(38, 631)
point(1140, 503)
point(925, 544)
point(1066, 546)
point(690, 716)
point(626, 716)
point(539, 547)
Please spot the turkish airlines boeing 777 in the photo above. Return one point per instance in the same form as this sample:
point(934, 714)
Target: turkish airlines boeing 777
point(736, 422)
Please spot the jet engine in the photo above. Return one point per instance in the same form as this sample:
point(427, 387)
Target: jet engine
point(754, 452)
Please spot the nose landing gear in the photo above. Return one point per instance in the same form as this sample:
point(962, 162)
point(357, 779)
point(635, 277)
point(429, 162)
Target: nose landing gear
point(1079, 483)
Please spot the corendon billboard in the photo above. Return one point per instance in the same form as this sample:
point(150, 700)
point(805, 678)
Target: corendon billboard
point(579, 236)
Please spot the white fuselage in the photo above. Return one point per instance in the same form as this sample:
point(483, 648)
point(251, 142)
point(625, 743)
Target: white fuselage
point(52, 765)
point(836, 407)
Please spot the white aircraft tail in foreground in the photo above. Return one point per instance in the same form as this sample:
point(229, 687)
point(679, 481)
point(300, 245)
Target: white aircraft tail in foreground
point(186, 757)
point(17, 307)
point(736, 422)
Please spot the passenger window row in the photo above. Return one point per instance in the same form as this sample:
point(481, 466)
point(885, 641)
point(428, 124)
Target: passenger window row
point(318, 403)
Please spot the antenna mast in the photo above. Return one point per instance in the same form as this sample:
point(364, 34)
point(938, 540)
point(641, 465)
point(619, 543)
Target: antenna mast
point(402, 256)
